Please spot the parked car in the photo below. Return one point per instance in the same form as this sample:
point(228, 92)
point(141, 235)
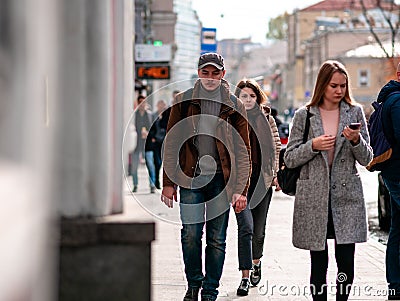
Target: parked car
point(283, 130)
point(384, 209)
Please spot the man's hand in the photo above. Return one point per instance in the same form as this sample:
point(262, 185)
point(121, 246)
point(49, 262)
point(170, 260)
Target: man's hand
point(168, 196)
point(239, 202)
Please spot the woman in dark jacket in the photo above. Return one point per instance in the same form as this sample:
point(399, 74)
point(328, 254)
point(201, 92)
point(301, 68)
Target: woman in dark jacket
point(252, 220)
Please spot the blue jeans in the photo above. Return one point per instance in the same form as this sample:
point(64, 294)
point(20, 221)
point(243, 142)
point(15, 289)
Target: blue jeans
point(157, 151)
point(148, 156)
point(393, 243)
point(198, 206)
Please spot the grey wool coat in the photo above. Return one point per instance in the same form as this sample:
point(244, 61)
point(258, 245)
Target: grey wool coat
point(317, 182)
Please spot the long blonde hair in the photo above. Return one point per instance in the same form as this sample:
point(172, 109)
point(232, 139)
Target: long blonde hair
point(326, 71)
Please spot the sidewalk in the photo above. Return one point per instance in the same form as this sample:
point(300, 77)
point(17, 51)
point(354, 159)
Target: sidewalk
point(285, 273)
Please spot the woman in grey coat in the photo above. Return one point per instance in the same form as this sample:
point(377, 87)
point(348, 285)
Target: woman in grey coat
point(329, 201)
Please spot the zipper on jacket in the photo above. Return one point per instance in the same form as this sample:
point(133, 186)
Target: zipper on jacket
point(195, 131)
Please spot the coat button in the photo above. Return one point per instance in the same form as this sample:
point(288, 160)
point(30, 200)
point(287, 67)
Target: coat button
point(334, 187)
point(344, 184)
point(342, 160)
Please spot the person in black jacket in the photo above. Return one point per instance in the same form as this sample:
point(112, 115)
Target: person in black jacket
point(391, 176)
point(144, 146)
point(157, 134)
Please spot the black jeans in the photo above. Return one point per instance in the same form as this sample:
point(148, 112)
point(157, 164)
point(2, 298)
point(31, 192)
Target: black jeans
point(260, 213)
point(344, 254)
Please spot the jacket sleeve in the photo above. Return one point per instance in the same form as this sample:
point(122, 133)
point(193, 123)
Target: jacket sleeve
point(395, 113)
point(242, 150)
point(277, 140)
point(170, 158)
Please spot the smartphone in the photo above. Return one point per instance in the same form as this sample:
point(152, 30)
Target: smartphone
point(355, 125)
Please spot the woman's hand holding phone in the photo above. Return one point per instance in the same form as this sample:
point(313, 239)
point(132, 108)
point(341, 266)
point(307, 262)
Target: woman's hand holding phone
point(352, 132)
point(355, 125)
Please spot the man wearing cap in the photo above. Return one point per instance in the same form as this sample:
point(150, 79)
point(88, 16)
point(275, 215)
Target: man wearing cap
point(206, 155)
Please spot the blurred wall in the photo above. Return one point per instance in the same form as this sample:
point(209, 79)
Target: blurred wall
point(95, 75)
point(66, 92)
point(27, 62)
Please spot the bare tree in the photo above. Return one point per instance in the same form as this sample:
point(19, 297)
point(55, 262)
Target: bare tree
point(388, 10)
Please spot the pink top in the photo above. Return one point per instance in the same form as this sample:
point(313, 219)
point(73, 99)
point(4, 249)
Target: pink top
point(330, 122)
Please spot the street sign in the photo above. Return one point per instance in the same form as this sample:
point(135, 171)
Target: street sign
point(208, 40)
point(153, 72)
point(145, 53)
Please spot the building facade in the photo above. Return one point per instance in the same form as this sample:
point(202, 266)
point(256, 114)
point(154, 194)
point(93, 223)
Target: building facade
point(323, 31)
point(187, 40)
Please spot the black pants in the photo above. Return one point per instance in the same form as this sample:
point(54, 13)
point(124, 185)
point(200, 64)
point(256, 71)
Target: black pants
point(344, 254)
point(259, 214)
point(259, 200)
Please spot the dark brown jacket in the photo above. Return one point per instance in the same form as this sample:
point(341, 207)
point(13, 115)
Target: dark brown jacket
point(232, 140)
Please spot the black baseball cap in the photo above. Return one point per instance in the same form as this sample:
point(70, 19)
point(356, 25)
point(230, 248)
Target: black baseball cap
point(213, 59)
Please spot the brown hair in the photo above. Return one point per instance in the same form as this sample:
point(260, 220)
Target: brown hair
point(252, 84)
point(140, 99)
point(326, 71)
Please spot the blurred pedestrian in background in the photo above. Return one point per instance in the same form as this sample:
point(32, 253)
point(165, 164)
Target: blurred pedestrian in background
point(144, 147)
point(157, 134)
point(329, 201)
point(274, 114)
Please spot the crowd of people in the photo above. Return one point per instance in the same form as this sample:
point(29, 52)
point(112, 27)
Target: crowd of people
point(220, 150)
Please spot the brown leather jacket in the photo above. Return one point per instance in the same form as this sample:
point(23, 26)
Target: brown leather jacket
point(232, 140)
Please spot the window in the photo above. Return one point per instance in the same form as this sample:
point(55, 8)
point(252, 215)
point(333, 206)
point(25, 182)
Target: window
point(363, 78)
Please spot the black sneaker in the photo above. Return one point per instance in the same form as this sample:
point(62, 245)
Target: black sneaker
point(255, 276)
point(192, 294)
point(134, 189)
point(244, 286)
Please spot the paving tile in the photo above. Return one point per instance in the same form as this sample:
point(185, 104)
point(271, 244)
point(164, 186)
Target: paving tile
point(285, 268)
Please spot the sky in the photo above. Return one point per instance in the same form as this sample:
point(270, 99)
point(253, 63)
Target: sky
point(244, 18)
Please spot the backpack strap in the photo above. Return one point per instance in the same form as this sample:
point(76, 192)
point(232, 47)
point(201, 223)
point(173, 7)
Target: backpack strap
point(307, 127)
